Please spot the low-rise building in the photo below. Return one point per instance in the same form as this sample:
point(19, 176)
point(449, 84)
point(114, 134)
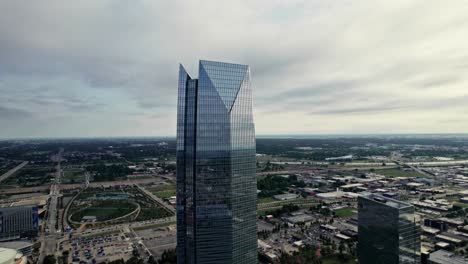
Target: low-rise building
point(446, 257)
point(302, 218)
point(448, 239)
point(430, 231)
point(343, 237)
point(286, 196)
point(11, 256)
point(23, 247)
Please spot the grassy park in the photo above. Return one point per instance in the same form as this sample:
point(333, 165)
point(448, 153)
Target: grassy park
point(111, 203)
point(398, 173)
point(105, 210)
point(266, 200)
point(163, 191)
point(345, 212)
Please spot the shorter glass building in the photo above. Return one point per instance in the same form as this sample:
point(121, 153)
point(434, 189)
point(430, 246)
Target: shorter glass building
point(18, 221)
point(389, 231)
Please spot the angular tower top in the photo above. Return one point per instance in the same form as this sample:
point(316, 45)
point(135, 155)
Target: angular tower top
point(227, 78)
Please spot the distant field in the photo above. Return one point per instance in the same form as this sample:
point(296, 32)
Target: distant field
point(345, 212)
point(5, 186)
point(398, 173)
point(73, 176)
point(6, 166)
point(31, 176)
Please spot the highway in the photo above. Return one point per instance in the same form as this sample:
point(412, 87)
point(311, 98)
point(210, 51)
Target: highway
point(7, 174)
point(80, 185)
point(50, 237)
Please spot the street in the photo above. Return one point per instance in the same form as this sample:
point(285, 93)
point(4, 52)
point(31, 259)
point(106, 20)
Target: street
point(50, 236)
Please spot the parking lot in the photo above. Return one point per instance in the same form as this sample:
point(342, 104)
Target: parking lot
point(157, 240)
point(98, 248)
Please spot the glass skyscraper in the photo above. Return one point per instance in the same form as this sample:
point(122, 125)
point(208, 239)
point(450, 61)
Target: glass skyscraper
point(389, 231)
point(216, 182)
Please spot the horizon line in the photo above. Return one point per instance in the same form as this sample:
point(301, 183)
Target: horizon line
point(311, 135)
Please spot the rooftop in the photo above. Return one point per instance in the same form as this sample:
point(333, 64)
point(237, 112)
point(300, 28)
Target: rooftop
point(385, 200)
point(7, 255)
point(446, 257)
point(15, 244)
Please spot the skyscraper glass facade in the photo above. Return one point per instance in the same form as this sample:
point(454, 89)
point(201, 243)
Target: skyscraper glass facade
point(216, 182)
point(389, 231)
point(18, 221)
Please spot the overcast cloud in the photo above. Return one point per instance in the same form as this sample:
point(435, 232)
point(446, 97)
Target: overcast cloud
point(109, 68)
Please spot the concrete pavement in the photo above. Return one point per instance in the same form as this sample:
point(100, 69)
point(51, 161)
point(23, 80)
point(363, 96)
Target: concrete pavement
point(50, 237)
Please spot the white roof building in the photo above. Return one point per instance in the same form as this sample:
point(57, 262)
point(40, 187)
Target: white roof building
point(11, 256)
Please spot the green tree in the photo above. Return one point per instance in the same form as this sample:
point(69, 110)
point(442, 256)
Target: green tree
point(168, 257)
point(152, 260)
point(50, 259)
point(134, 260)
point(341, 247)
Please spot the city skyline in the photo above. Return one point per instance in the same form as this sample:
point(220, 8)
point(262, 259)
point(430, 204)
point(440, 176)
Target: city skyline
point(100, 68)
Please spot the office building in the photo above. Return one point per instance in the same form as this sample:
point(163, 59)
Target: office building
point(18, 221)
point(216, 183)
point(389, 231)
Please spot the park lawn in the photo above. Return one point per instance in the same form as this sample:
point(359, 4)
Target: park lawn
point(165, 194)
point(345, 212)
point(266, 200)
point(31, 176)
point(162, 187)
point(163, 191)
point(105, 210)
point(154, 212)
point(398, 173)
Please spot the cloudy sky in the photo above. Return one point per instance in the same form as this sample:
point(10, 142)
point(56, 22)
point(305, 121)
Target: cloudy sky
point(109, 68)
